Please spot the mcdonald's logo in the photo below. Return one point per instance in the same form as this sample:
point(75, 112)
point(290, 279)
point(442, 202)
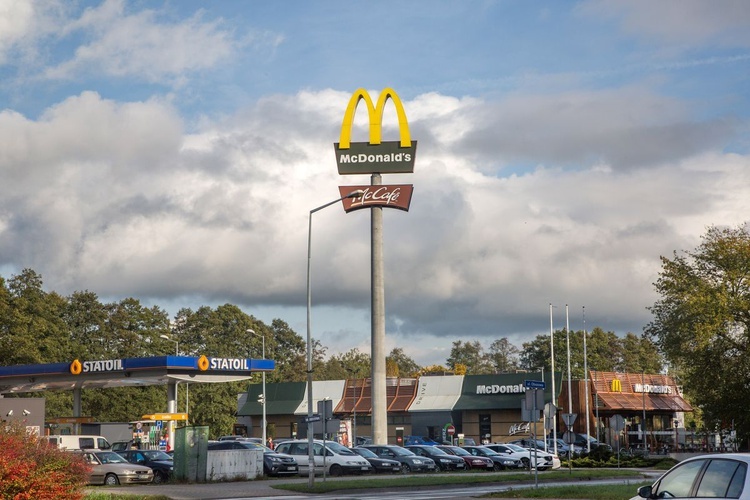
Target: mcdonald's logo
point(615, 386)
point(375, 156)
point(381, 195)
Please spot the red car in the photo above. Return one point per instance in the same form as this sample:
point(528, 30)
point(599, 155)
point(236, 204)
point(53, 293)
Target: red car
point(472, 462)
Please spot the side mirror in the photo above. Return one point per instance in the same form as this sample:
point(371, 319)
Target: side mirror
point(644, 491)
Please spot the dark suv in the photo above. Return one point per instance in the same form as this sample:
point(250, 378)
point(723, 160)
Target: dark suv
point(409, 461)
point(443, 460)
point(156, 460)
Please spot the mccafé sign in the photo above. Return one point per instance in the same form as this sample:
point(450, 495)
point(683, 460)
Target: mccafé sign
point(376, 156)
point(391, 196)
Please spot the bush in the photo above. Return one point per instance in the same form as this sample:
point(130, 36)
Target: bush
point(30, 469)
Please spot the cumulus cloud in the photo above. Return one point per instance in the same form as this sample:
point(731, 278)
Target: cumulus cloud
point(117, 198)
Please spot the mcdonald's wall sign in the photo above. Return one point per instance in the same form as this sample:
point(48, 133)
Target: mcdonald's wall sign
point(376, 156)
point(615, 386)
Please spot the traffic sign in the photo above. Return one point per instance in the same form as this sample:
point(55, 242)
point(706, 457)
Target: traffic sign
point(312, 418)
point(534, 384)
point(550, 410)
point(569, 437)
point(617, 423)
point(569, 418)
point(450, 430)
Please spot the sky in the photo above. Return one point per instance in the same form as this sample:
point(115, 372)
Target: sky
point(172, 152)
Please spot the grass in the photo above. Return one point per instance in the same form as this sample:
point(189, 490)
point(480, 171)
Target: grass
point(597, 492)
point(456, 479)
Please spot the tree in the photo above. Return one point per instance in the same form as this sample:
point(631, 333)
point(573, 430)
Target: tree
point(471, 355)
point(406, 366)
point(503, 356)
point(702, 324)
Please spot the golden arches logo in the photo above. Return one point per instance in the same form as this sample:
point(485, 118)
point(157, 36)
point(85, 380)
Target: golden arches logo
point(203, 363)
point(76, 367)
point(375, 113)
point(375, 156)
point(615, 386)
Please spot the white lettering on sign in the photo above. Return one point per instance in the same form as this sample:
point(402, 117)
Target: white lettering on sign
point(519, 429)
point(228, 364)
point(501, 389)
point(381, 194)
point(379, 158)
point(652, 389)
point(108, 365)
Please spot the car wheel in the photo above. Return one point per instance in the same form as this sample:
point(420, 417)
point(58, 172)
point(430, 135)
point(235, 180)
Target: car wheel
point(336, 470)
point(497, 467)
point(542, 469)
point(525, 462)
point(405, 468)
point(111, 480)
point(158, 477)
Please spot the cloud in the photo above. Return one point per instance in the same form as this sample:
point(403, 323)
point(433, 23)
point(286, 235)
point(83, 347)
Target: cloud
point(118, 198)
point(680, 22)
point(142, 47)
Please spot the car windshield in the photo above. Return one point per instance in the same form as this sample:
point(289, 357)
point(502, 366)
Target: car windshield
point(486, 451)
point(459, 451)
point(434, 450)
point(157, 455)
point(340, 449)
point(401, 452)
point(110, 457)
point(364, 452)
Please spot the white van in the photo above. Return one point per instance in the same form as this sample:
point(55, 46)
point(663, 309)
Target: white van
point(76, 442)
point(338, 459)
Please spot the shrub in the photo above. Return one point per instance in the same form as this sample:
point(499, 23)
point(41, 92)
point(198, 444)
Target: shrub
point(30, 469)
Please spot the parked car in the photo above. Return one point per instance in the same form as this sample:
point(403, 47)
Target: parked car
point(409, 461)
point(241, 438)
point(563, 449)
point(78, 442)
point(500, 461)
point(582, 440)
point(472, 461)
point(275, 463)
point(543, 459)
point(704, 476)
point(378, 464)
point(158, 461)
point(414, 440)
point(107, 467)
point(338, 458)
point(444, 461)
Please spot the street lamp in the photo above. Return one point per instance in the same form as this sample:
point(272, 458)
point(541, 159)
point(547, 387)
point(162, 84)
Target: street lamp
point(311, 458)
point(263, 396)
point(354, 409)
point(176, 343)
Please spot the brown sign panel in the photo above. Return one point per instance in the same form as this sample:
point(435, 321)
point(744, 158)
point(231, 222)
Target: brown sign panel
point(382, 195)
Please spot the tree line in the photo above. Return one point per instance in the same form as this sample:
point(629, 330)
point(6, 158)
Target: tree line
point(700, 327)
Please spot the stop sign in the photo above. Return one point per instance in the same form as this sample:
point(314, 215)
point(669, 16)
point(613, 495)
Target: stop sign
point(450, 430)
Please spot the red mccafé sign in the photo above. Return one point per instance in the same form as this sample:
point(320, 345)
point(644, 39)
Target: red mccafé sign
point(383, 195)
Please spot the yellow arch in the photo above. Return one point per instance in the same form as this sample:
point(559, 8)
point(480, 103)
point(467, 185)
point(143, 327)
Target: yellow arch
point(375, 115)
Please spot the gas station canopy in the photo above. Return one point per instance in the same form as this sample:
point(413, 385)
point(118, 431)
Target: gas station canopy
point(128, 372)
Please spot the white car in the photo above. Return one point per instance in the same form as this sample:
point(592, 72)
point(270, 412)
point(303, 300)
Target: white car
point(723, 475)
point(542, 460)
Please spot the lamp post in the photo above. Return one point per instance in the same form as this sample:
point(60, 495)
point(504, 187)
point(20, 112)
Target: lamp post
point(263, 396)
point(311, 471)
point(176, 343)
point(354, 409)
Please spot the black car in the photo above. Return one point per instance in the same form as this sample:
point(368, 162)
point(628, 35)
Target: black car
point(378, 464)
point(409, 461)
point(444, 461)
point(158, 461)
point(274, 464)
point(501, 462)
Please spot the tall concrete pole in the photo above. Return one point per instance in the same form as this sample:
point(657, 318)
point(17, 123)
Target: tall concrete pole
point(379, 401)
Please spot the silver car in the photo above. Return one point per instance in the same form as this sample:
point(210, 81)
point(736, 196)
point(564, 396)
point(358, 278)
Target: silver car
point(107, 467)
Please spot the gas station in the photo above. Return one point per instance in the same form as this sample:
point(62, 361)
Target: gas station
point(129, 372)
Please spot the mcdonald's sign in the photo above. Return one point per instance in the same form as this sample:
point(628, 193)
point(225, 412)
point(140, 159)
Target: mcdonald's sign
point(615, 386)
point(375, 156)
point(386, 196)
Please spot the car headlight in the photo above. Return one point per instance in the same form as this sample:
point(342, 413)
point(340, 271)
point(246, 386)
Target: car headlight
point(129, 471)
point(274, 459)
point(445, 460)
point(416, 461)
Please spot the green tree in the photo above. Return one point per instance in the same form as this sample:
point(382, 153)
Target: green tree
point(503, 356)
point(407, 367)
point(702, 324)
point(471, 355)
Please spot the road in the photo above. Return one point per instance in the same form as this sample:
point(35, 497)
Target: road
point(244, 490)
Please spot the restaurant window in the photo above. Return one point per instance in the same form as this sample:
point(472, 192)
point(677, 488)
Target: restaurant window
point(485, 426)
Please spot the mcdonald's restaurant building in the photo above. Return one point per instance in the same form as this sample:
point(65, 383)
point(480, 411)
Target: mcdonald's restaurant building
point(651, 405)
point(442, 407)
